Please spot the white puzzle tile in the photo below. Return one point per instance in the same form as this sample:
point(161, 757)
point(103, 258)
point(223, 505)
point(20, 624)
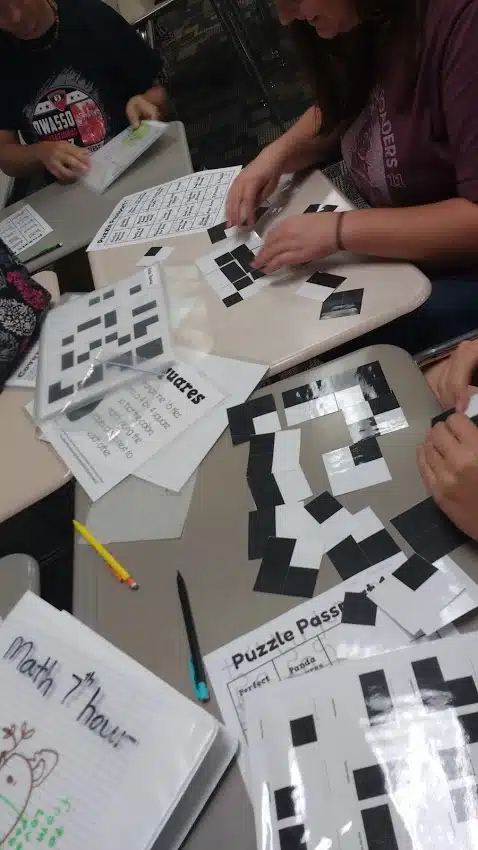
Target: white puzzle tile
point(267, 423)
point(307, 553)
point(309, 410)
point(393, 420)
point(286, 450)
point(293, 485)
point(357, 413)
point(349, 397)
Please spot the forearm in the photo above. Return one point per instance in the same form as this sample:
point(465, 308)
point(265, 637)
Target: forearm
point(17, 160)
point(302, 146)
point(445, 231)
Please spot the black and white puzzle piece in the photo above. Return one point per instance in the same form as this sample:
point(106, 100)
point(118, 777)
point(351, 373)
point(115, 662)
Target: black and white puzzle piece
point(368, 544)
point(92, 345)
point(253, 417)
point(396, 740)
point(277, 573)
point(356, 467)
point(365, 629)
point(229, 272)
point(428, 531)
point(339, 305)
point(416, 593)
point(363, 395)
point(155, 254)
point(297, 535)
point(274, 474)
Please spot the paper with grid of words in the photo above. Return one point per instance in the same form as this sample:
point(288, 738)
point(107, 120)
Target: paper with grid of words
point(188, 205)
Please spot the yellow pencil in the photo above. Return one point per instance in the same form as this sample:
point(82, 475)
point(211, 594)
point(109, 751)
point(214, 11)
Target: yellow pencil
point(114, 565)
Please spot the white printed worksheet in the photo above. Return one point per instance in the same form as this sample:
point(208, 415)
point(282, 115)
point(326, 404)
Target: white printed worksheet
point(23, 228)
point(103, 445)
point(189, 205)
point(110, 161)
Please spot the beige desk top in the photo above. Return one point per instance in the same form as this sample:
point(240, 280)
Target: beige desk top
point(276, 327)
point(76, 213)
point(30, 468)
point(212, 555)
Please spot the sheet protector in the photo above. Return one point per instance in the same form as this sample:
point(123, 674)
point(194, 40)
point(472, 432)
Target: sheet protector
point(75, 733)
point(379, 753)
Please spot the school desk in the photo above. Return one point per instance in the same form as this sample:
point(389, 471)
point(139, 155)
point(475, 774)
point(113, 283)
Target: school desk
point(75, 213)
point(276, 326)
point(212, 556)
point(31, 469)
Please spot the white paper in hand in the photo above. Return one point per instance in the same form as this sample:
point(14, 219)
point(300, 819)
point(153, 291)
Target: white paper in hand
point(110, 161)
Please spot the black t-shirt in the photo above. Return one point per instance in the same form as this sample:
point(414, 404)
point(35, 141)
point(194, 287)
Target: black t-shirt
point(76, 90)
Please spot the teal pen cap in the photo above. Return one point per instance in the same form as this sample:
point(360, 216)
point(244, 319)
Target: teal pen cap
point(200, 688)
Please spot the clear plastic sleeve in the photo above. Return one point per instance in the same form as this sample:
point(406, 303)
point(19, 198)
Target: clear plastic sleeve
point(372, 754)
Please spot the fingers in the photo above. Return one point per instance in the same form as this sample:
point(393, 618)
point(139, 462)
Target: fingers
point(464, 430)
point(443, 439)
point(425, 470)
point(132, 113)
point(462, 364)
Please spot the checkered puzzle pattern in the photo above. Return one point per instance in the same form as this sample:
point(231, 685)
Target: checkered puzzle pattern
point(363, 395)
point(91, 345)
point(228, 270)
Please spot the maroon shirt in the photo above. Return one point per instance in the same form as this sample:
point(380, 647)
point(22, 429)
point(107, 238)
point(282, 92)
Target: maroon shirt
point(420, 149)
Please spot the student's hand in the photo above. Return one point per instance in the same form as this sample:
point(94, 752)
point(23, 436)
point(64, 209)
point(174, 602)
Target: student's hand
point(66, 162)
point(251, 187)
point(140, 108)
point(448, 463)
point(450, 380)
point(299, 239)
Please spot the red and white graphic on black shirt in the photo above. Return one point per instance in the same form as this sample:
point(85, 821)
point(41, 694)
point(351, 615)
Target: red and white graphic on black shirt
point(68, 109)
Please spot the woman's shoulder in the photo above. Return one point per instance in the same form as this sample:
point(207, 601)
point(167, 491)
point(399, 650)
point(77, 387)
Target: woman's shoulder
point(445, 14)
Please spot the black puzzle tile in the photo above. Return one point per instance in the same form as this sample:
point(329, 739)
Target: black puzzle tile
point(285, 803)
point(384, 403)
point(331, 281)
point(300, 581)
point(233, 299)
point(303, 731)
point(379, 546)
point(292, 837)
point(275, 564)
point(365, 451)
point(323, 507)
point(262, 525)
point(341, 304)
point(358, 610)
point(415, 572)
point(265, 491)
point(348, 558)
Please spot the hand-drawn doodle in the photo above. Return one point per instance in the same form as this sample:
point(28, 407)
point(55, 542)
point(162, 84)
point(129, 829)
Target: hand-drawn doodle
point(19, 775)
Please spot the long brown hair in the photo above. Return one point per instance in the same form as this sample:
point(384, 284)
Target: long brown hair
point(343, 70)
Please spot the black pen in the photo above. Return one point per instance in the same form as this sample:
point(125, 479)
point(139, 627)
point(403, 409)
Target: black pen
point(43, 253)
point(196, 665)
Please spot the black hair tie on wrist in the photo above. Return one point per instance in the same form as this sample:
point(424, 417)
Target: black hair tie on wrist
point(339, 232)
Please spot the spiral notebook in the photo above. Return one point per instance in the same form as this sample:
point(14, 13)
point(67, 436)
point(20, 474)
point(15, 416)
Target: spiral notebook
point(97, 751)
